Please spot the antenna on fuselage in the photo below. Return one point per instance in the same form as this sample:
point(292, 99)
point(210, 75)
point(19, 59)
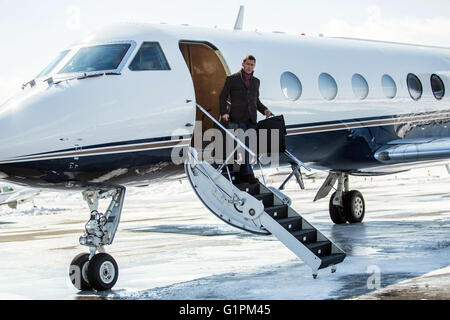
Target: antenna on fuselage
point(240, 19)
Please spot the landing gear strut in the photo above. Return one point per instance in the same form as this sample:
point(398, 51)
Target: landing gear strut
point(94, 270)
point(346, 206)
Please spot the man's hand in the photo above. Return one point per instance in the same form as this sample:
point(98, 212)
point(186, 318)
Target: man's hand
point(267, 113)
point(225, 117)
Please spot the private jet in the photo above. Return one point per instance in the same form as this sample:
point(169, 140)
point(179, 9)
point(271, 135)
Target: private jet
point(113, 110)
point(13, 195)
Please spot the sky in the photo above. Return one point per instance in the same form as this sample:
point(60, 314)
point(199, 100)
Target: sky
point(33, 32)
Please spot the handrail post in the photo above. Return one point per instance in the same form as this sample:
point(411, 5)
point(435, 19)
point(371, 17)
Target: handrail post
point(228, 158)
point(261, 169)
point(226, 130)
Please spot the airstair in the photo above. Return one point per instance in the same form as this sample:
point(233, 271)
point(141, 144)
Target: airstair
point(260, 209)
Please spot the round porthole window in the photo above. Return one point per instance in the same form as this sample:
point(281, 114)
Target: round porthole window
point(291, 86)
point(437, 85)
point(327, 86)
point(389, 86)
point(414, 86)
point(360, 86)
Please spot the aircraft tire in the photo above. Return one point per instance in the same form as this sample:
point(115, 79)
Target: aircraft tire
point(78, 272)
point(354, 206)
point(103, 272)
point(337, 214)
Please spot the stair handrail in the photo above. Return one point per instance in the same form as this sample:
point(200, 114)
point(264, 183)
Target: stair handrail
point(290, 155)
point(226, 130)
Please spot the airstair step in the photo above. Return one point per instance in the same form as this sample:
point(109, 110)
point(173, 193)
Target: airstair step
point(233, 175)
point(266, 198)
point(277, 212)
point(306, 236)
point(320, 248)
point(252, 189)
point(292, 223)
point(332, 259)
point(279, 219)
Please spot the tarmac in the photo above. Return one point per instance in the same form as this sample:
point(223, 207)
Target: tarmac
point(431, 286)
point(172, 248)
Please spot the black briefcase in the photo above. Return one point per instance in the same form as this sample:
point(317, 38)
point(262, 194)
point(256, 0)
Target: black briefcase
point(271, 124)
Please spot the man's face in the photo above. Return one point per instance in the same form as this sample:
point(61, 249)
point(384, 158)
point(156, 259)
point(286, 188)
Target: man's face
point(248, 66)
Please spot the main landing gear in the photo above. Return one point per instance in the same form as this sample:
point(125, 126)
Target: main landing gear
point(346, 206)
point(97, 269)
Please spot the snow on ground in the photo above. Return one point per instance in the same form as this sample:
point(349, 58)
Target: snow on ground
point(169, 246)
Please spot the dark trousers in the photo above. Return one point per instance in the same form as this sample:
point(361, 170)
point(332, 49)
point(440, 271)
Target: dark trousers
point(246, 167)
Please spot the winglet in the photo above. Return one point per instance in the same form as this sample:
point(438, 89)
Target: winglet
point(240, 19)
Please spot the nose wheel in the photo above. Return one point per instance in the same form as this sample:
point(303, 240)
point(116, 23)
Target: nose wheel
point(78, 272)
point(99, 273)
point(102, 272)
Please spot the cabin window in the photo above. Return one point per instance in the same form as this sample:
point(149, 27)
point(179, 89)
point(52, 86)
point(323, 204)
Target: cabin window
point(291, 86)
point(149, 57)
point(53, 64)
point(414, 86)
point(360, 86)
point(437, 86)
point(327, 86)
point(389, 86)
point(97, 58)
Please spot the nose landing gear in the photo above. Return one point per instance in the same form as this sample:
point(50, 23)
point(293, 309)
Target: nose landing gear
point(94, 270)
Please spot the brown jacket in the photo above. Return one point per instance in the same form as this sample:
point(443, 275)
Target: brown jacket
point(244, 100)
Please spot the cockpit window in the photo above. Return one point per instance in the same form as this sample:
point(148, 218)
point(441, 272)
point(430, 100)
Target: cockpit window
point(149, 57)
point(53, 64)
point(7, 189)
point(97, 58)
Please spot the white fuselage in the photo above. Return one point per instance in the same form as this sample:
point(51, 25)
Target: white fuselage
point(63, 123)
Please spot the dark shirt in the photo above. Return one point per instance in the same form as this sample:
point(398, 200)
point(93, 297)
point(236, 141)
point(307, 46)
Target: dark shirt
point(247, 77)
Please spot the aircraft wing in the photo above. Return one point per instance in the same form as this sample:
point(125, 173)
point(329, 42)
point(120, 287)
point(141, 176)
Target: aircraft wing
point(412, 150)
point(15, 197)
point(12, 204)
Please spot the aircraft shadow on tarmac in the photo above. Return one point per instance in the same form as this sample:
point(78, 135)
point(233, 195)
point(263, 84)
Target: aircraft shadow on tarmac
point(195, 230)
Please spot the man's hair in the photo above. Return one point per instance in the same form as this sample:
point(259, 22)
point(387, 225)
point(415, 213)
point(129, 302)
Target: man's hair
point(249, 57)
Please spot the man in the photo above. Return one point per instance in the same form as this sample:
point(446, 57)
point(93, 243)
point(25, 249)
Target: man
point(243, 89)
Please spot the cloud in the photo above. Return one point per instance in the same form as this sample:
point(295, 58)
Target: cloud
point(73, 18)
point(430, 31)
